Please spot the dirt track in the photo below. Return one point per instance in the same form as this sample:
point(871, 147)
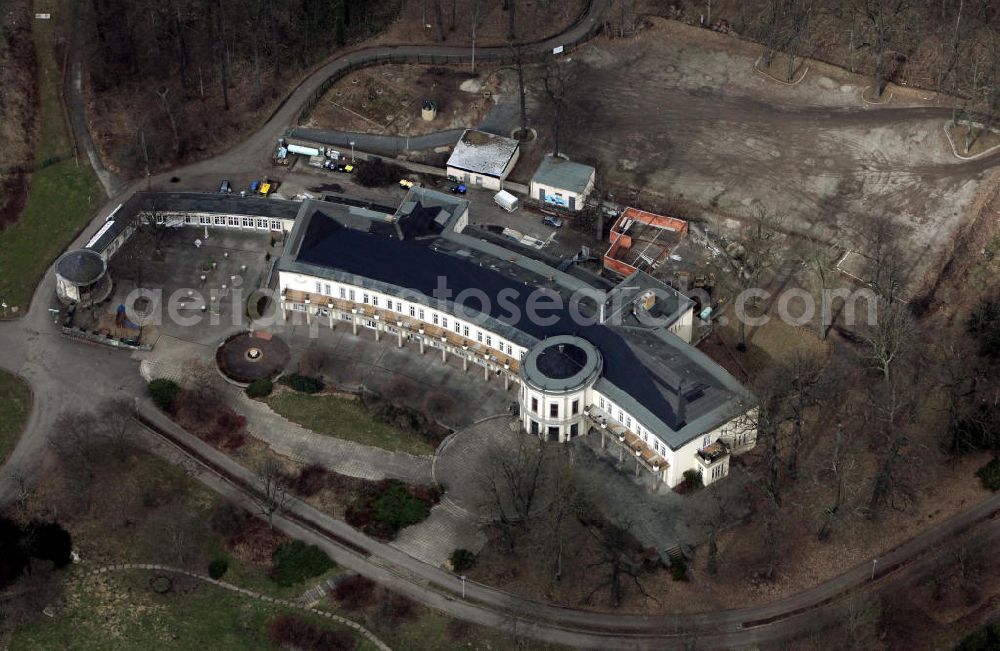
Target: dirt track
point(684, 120)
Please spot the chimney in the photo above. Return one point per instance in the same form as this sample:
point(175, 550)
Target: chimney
point(681, 406)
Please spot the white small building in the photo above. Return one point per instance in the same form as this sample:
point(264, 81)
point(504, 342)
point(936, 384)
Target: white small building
point(562, 183)
point(482, 159)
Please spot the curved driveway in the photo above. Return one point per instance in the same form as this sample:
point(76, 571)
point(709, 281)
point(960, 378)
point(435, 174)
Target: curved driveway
point(66, 374)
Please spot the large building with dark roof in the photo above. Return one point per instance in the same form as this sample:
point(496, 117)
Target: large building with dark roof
point(613, 361)
point(618, 363)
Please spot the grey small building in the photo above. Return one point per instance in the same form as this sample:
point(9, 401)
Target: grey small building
point(483, 159)
point(562, 182)
point(82, 277)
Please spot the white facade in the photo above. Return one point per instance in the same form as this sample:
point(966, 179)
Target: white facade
point(481, 179)
point(553, 415)
point(559, 196)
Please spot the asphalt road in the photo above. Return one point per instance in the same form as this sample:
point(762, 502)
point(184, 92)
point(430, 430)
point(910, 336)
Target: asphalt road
point(66, 374)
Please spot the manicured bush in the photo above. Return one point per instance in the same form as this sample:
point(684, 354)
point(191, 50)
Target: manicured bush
point(462, 559)
point(397, 508)
point(164, 393)
point(354, 592)
point(679, 569)
point(294, 632)
point(260, 388)
point(990, 475)
point(218, 568)
point(295, 561)
point(302, 383)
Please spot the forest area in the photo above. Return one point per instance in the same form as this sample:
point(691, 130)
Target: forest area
point(173, 81)
point(948, 46)
point(17, 107)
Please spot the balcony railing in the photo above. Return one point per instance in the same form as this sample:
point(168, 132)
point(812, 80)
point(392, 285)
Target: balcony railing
point(713, 453)
point(626, 438)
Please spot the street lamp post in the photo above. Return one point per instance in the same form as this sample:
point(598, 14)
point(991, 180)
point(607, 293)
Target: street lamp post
point(463, 586)
point(874, 563)
point(352, 151)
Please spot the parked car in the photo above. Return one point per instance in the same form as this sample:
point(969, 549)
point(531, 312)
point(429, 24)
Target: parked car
point(346, 169)
point(459, 188)
point(225, 188)
point(254, 187)
point(552, 221)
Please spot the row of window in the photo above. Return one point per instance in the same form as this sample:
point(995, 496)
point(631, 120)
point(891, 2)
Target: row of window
point(554, 408)
point(259, 223)
point(609, 408)
point(554, 431)
point(416, 312)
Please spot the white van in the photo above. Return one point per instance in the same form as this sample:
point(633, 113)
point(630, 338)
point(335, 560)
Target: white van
point(506, 200)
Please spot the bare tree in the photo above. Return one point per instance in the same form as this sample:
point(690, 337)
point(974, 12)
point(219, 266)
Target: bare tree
point(517, 54)
point(272, 496)
point(885, 19)
point(861, 615)
point(162, 94)
point(890, 409)
point(118, 425)
point(890, 337)
point(438, 20)
point(556, 85)
point(510, 480)
point(804, 388)
point(314, 361)
point(615, 546)
point(839, 468)
point(399, 389)
point(781, 28)
point(757, 254)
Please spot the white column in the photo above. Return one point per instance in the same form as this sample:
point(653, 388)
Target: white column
point(378, 328)
point(420, 338)
point(329, 306)
point(465, 357)
point(354, 321)
point(444, 349)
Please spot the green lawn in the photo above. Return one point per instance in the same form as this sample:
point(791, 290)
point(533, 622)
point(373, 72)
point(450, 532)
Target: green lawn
point(15, 403)
point(120, 611)
point(64, 194)
point(344, 419)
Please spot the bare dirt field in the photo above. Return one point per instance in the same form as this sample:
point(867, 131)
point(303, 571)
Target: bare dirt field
point(682, 115)
point(18, 111)
point(388, 99)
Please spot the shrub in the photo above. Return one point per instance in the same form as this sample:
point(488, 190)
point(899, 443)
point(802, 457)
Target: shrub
point(439, 405)
point(393, 609)
point(164, 393)
point(229, 422)
point(354, 592)
point(260, 388)
point(462, 559)
point(376, 173)
point(679, 569)
point(990, 475)
point(310, 480)
point(291, 631)
point(302, 383)
point(692, 479)
point(397, 508)
point(217, 568)
point(295, 561)
point(984, 325)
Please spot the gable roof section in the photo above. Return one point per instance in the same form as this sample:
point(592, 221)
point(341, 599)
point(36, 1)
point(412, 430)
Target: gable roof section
point(483, 153)
point(563, 174)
